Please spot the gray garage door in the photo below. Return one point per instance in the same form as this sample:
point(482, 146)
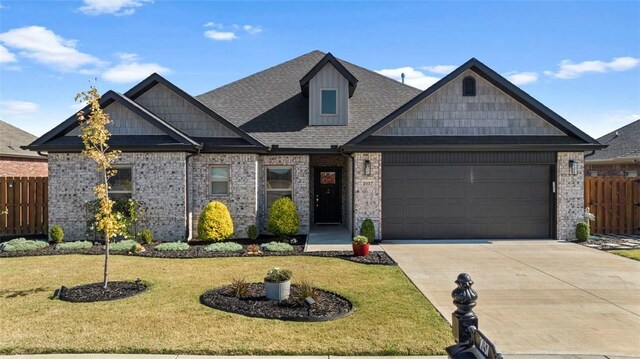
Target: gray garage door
point(466, 201)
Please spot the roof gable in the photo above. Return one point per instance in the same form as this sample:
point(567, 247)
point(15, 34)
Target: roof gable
point(155, 79)
point(328, 59)
point(498, 81)
point(107, 99)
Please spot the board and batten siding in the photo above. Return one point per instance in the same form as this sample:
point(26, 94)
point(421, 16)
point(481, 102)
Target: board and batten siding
point(124, 122)
point(328, 78)
point(177, 111)
point(490, 113)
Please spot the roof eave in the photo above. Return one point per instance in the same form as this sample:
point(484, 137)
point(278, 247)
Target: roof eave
point(514, 147)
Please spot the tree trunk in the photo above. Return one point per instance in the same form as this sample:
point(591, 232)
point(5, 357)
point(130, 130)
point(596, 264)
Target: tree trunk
point(106, 240)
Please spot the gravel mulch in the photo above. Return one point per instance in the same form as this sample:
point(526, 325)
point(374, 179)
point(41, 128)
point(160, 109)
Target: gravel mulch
point(95, 292)
point(328, 306)
point(612, 241)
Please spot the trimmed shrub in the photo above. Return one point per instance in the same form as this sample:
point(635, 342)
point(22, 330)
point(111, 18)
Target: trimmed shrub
point(360, 240)
point(126, 245)
point(276, 275)
point(22, 244)
point(582, 231)
point(146, 236)
point(57, 234)
point(71, 246)
point(252, 232)
point(283, 218)
point(215, 222)
point(224, 247)
point(172, 246)
point(276, 247)
point(368, 230)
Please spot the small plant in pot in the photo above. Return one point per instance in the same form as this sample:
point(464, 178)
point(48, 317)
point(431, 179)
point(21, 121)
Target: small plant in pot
point(277, 284)
point(360, 245)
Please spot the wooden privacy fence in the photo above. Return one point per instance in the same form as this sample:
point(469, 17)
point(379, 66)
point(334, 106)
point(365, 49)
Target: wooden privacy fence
point(23, 204)
point(615, 201)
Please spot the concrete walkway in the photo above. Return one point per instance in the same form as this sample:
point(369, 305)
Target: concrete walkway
point(331, 238)
point(535, 297)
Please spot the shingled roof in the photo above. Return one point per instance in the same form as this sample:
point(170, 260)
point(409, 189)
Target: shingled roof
point(270, 105)
point(623, 144)
point(11, 138)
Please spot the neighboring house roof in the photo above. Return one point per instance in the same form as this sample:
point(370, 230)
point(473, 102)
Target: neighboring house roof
point(270, 105)
point(623, 145)
point(498, 81)
point(12, 138)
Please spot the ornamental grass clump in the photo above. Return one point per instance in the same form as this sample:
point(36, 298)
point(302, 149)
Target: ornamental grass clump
point(71, 246)
point(56, 234)
point(224, 247)
point(126, 245)
point(277, 275)
point(215, 222)
point(283, 218)
point(172, 246)
point(22, 244)
point(239, 287)
point(276, 247)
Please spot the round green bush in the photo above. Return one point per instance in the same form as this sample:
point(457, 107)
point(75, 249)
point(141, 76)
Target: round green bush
point(172, 246)
point(283, 218)
point(215, 222)
point(252, 232)
point(276, 247)
point(71, 246)
point(368, 230)
point(146, 236)
point(582, 231)
point(57, 234)
point(224, 247)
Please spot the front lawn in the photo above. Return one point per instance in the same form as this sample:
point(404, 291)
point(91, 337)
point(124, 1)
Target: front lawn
point(629, 253)
point(391, 316)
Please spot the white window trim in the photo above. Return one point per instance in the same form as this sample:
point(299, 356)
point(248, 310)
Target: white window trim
point(337, 102)
point(133, 185)
point(266, 182)
point(210, 181)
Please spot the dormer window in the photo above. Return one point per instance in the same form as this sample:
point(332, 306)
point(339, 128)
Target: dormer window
point(468, 86)
point(329, 102)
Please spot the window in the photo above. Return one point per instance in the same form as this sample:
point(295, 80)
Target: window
point(279, 183)
point(219, 177)
point(631, 173)
point(121, 184)
point(469, 86)
point(329, 102)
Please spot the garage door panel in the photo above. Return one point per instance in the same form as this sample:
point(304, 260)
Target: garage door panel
point(467, 201)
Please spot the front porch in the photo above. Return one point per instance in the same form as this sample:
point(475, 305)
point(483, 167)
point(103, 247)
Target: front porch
point(331, 238)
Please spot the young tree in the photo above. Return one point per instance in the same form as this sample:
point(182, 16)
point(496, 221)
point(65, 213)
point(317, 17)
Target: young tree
point(95, 136)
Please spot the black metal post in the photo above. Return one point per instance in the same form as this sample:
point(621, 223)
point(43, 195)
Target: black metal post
point(464, 298)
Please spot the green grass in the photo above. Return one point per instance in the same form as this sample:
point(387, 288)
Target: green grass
point(391, 316)
point(629, 253)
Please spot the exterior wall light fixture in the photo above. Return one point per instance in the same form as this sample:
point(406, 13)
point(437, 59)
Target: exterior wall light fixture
point(573, 167)
point(367, 168)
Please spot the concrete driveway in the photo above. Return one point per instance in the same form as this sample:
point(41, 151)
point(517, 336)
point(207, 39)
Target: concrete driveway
point(535, 297)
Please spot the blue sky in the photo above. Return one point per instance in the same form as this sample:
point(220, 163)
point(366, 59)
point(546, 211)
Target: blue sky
point(581, 59)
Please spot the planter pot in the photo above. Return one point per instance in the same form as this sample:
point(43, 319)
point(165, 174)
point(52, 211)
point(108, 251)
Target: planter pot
point(360, 250)
point(277, 291)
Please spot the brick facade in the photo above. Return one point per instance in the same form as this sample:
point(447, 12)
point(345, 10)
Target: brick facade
point(368, 191)
point(23, 167)
point(569, 195)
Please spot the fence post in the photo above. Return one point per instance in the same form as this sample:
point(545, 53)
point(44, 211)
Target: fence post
point(464, 298)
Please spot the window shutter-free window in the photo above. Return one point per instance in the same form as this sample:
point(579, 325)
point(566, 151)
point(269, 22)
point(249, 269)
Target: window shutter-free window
point(329, 102)
point(279, 183)
point(121, 183)
point(219, 176)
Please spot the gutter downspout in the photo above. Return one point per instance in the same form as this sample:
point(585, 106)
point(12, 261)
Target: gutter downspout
point(40, 154)
point(353, 188)
point(188, 217)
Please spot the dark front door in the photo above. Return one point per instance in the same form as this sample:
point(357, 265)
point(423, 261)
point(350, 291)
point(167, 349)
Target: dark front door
point(327, 197)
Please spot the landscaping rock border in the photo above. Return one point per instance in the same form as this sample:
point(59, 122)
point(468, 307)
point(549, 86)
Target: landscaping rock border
point(612, 241)
point(95, 292)
point(329, 305)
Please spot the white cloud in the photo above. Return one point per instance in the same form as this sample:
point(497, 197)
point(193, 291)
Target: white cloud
point(220, 35)
point(113, 7)
point(569, 70)
point(413, 77)
point(17, 108)
point(6, 55)
point(213, 24)
point(130, 70)
point(522, 78)
point(44, 46)
point(252, 30)
point(439, 69)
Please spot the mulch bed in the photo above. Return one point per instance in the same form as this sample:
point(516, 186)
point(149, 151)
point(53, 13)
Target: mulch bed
point(328, 306)
point(95, 292)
